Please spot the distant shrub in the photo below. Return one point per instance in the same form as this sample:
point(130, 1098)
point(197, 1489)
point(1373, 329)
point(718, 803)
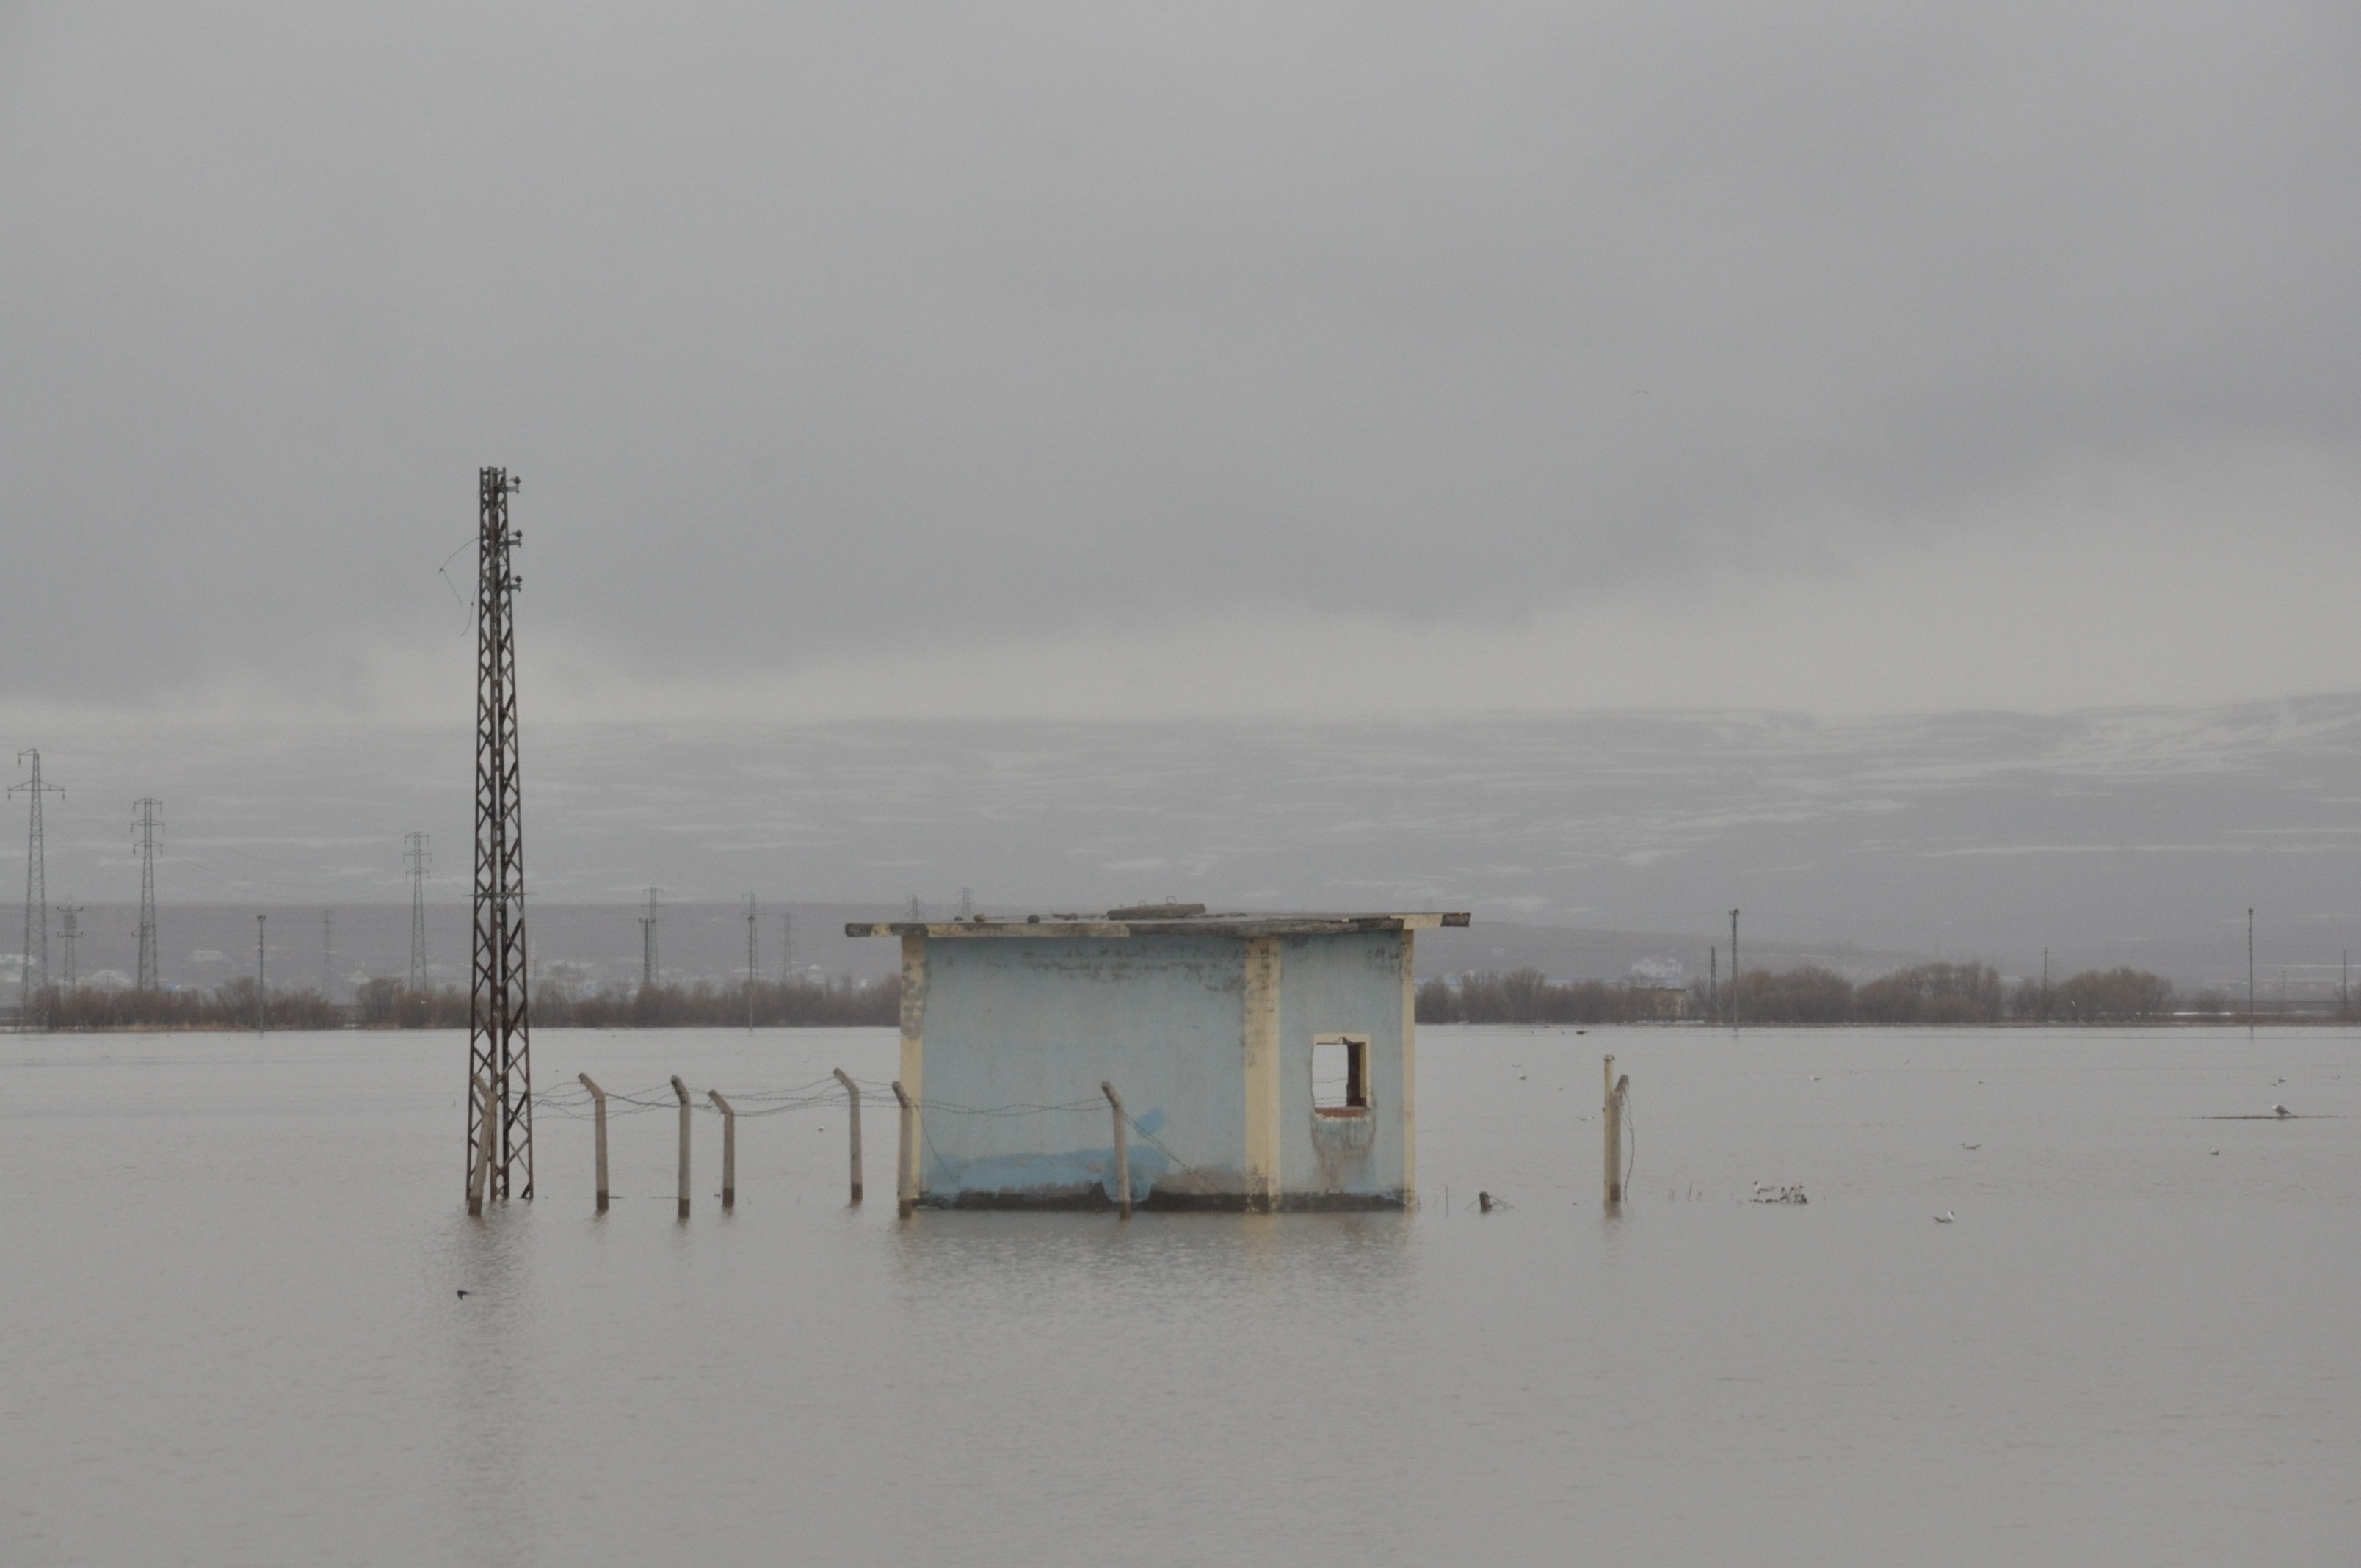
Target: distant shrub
point(1805, 994)
point(2109, 996)
point(1932, 993)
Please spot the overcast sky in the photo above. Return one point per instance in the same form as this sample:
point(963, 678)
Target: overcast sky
point(1104, 359)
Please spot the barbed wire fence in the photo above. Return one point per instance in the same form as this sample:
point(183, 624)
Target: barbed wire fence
point(578, 1103)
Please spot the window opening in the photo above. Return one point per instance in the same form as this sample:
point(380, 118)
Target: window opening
point(1340, 1074)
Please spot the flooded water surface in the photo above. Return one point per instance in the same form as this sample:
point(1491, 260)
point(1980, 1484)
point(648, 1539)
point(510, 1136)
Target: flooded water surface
point(234, 1332)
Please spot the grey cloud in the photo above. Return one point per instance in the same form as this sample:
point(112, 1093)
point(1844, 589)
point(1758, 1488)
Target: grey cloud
point(840, 326)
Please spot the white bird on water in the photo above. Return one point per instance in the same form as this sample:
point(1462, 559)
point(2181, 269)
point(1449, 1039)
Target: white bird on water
point(1945, 1218)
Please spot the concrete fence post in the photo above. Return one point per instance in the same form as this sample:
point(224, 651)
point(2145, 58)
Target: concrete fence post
point(852, 1098)
point(681, 1090)
point(729, 1151)
point(1122, 1153)
point(479, 1170)
point(1611, 1120)
point(906, 1183)
point(599, 1137)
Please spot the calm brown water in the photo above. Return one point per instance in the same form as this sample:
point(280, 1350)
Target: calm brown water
point(229, 1331)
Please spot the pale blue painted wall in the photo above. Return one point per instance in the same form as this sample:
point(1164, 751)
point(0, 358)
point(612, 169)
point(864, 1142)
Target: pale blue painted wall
point(1341, 985)
point(1042, 1020)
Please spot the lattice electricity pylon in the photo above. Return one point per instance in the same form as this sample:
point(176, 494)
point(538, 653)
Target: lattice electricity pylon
point(33, 969)
point(147, 828)
point(500, 1037)
point(418, 853)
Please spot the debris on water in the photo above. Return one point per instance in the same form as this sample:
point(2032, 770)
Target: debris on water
point(1972, 1147)
point(1779, 1194)
point(1487, 1202)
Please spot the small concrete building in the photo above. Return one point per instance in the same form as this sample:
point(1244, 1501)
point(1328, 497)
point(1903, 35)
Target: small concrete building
point(1266, 1061)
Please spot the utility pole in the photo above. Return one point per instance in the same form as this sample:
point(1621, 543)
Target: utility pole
point(2250, 975)
point(145, 828)
point(1713, 982)
point(1734, 973)
point(258, 988)
point(648, 943)
point(69, 927)
point(33, 973)
point(327, 954)
point(500, 1029)
point(418, 854)
point(2344, 987)
point(2044, 985)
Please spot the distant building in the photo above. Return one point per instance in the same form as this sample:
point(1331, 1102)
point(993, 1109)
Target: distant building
point(1269, 1061)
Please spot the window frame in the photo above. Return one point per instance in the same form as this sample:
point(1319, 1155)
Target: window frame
point(1359, 1098)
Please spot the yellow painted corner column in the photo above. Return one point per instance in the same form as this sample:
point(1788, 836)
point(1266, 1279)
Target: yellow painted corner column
point(1263, 1088)
point(913, 1056)
point(1409, 1067)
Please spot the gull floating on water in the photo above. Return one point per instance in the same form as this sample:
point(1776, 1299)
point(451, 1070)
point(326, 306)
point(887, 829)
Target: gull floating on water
point(1972, 1145)
point(2281, 1111)
point(1945, 1218)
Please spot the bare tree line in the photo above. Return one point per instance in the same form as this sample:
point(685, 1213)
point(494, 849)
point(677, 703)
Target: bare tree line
point(390, 1005)
point(1810, 993)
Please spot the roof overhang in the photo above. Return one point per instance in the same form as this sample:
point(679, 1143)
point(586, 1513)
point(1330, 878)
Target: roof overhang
point(1037, 926)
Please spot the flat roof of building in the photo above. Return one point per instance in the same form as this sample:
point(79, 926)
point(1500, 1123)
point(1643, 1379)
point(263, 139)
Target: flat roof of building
point(1157, 920)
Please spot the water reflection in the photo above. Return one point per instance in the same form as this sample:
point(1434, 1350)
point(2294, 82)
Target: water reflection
point(205, 1362)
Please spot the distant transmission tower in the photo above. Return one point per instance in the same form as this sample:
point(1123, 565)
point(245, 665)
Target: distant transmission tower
point(262, 991)
point(33, 974)
point(967, 903)
point(917, 910)
point(499, 1033)
point(418, 853)
point(787, 948)
point(327, 954)
point(145, 830)
point(648, 943)
point(68, 928)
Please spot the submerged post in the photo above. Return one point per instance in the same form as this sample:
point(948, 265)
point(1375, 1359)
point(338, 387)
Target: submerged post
point(729, 1151)
point(905, 1185)
point(1122, 1153)
point(1611, 1118)
point(479, 1168)
point(681, 1090)
point(599, 1138)
point(853, 1097)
